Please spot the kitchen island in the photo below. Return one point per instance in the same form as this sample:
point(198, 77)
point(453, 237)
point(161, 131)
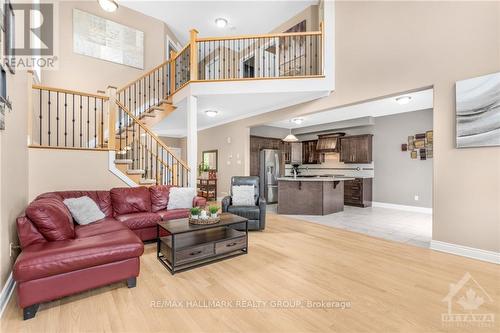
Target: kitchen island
point(317, 195)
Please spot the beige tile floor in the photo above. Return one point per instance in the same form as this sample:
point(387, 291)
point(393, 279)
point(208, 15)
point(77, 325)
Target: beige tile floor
point(391, 224)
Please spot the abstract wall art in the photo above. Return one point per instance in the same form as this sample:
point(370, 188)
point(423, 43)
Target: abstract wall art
point(478, 111)
point(420, 145)
point(101, 38)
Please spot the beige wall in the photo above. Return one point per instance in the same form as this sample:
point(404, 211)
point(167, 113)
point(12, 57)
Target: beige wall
point(70, 170)
point(233, 144)
point(89, 74)
point(383, 48)
point(176, 143)
point(13, 168)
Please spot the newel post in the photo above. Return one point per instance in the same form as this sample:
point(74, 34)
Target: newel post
point(112, 108)
point(193, 54)
point(173, 54)
point(29, 91)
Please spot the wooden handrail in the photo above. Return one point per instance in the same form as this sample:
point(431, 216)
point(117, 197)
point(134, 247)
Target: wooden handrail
point(180, 51)
point(72, 92)
point(147, 130)
point(282, 34)
point(143, 75)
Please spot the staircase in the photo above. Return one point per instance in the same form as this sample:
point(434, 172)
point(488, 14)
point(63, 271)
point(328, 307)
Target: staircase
point(121, 120)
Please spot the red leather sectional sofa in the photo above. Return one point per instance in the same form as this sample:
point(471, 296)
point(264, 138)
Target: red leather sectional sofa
point(60, 258)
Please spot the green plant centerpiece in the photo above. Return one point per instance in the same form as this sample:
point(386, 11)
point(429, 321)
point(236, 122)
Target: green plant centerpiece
point(213, 211)
point(195, 212)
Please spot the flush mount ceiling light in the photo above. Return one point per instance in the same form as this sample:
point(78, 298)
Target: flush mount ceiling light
point(290, 137)
point(221, 22)
point(403, 99)
point(297, 121)
point(108, 5)
point(211, 113)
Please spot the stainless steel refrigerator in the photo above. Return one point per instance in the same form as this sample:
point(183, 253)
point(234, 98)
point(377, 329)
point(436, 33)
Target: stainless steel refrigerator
point(271, 167)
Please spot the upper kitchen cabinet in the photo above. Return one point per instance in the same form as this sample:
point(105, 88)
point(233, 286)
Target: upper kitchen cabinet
point(356, 148)
point(310, 155)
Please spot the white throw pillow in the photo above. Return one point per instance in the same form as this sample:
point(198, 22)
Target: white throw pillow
point(181, 197)
point(243, 195)
point(84, 210)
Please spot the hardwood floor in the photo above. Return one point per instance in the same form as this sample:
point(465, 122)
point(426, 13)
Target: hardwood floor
point(392, 287)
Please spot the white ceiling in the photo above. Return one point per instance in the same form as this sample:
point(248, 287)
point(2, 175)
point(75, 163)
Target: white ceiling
point(421, 100)
point(231, 107)
point(244, 17)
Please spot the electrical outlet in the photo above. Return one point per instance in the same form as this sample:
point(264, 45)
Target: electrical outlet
point(416, 197)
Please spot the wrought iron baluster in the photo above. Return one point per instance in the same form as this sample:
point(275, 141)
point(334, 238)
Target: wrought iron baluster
point(102, 122)
point(48, 127)
point(40, 117)
point(65, 120)
point(95, 122)
point(57, 119)
point(88, 121)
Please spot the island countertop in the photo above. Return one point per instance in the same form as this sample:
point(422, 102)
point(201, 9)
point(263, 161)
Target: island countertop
point(316, 179)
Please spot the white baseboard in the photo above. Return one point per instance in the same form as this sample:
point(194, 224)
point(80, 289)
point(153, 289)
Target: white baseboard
point(114, 170)
point(7, 290)
point(465, 251)
point(402, 207)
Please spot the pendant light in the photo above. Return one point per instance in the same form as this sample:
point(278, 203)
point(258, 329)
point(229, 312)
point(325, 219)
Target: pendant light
point(290, 137)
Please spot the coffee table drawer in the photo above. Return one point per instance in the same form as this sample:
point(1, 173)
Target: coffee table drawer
point(230, 245)
point(194, 253)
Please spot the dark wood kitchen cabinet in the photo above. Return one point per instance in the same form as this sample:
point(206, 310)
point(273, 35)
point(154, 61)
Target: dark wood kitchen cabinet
point(356, 148)
point(310, 155)
point(358, 192)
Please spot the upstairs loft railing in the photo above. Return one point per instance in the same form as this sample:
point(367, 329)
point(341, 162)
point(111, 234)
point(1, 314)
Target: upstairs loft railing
point(261, 56)
point(269, 56)
point(136, 142)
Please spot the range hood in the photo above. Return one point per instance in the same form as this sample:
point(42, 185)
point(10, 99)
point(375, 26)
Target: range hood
point(328, 143)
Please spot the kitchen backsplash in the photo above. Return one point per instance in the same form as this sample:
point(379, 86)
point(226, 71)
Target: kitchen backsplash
point(332, 166)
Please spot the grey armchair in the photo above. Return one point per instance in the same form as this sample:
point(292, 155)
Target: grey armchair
point(256, 215)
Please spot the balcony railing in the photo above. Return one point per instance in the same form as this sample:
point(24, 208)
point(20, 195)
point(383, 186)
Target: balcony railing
point(270, 56)
point(257, 57)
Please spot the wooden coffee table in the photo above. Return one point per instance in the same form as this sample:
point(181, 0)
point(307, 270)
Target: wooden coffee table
point(189, 245)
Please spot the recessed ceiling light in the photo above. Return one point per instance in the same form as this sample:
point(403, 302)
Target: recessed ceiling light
point(297, 121)
point(403, 99)
point(108, 5)
point(221, 22)
point(211, 113)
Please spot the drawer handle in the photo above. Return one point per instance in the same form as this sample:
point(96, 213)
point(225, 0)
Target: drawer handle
point(231, 244)
point(195, 253)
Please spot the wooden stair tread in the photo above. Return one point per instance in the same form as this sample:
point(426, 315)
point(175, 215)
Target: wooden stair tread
point(123, 161)
point(147, 181)
point(135, 172)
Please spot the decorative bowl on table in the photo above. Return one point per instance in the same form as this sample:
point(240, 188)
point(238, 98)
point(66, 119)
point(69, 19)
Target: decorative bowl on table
point(206, 220)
